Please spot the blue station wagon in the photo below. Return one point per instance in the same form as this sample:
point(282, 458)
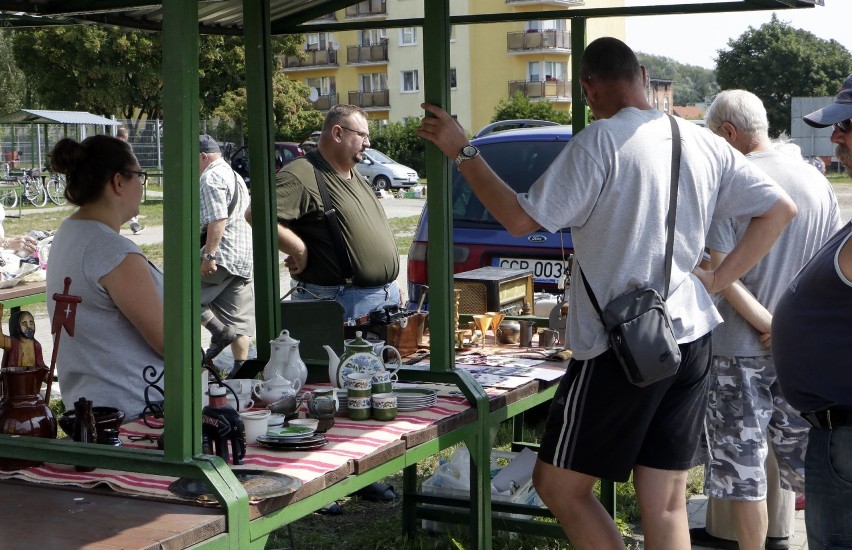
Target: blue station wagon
point(519, 157)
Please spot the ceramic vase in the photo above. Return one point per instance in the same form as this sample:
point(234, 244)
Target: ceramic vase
point(23, 410)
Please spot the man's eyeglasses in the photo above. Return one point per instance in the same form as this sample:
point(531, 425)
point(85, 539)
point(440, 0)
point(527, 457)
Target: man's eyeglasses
point(143, 176)
point(844, 127)
point(363, 135)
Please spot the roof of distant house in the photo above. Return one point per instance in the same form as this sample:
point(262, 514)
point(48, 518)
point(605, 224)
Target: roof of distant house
point(688, 112)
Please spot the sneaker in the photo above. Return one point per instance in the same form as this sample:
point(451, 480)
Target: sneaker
point(137, 228)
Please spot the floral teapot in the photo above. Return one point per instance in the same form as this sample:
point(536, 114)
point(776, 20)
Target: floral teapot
point(285, 361)
point(359, 355)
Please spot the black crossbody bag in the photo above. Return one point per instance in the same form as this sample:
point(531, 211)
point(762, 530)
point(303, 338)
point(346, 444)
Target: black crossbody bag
point(637, 323)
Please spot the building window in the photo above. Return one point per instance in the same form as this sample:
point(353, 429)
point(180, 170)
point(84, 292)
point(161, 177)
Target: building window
point(408, 36)
point(318, 41)
point(372, 37)
point(374, 82)
point(666, 104)
point(325, 85)
point(410, 82)
point(538, 71)
point(453, 77)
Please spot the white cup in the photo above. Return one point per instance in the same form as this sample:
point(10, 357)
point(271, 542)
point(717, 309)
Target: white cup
point(256, 424)
point(242, 386)
point(245, 402)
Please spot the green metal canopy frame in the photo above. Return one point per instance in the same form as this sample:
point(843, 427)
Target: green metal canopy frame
point(181, 22)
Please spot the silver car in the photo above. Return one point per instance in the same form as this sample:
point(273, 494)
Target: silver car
point(385, 173)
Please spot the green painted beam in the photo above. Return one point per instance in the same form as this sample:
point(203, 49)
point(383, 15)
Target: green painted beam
point(261, 132)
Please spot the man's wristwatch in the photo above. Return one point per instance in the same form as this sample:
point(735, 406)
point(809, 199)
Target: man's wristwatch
point(206, 256)
point(468, 152)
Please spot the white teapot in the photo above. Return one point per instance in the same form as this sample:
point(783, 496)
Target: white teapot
point(285, 361)
point(276, 388)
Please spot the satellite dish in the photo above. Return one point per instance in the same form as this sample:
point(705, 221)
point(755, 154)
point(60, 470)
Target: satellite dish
point(314, 94)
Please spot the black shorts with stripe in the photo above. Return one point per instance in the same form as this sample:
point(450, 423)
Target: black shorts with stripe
point(601, 425)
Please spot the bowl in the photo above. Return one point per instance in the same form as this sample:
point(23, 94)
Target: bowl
point(509, 332)
point(276, 420)
point(105, 418)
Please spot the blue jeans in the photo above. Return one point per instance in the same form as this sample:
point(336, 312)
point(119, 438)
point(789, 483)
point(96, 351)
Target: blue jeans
point(828, 488)
point(356, 301)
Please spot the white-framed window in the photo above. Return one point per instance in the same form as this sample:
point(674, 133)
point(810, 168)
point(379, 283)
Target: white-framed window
point(318, 41)
point(547, 25)
point(372, 37)
point(374, 82)
point(410, 81)
point(325, 85)
point(539, 71)
point(408, 36)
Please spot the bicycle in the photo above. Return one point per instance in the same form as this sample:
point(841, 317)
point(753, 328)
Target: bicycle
point(33, 187)
point(56, 189)
point(8, 195)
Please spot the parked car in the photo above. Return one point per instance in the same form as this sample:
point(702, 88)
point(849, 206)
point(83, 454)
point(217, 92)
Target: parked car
point(385, 173)
point(519, 157)
point(285, 152)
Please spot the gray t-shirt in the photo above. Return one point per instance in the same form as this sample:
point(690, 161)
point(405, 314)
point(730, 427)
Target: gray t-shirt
point(611, 186)
point(103, 361)
point(817, 220)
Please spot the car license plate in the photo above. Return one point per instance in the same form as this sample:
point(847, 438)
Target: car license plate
point(544, 271)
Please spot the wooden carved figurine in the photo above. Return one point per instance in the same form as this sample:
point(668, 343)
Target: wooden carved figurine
point(21, 347)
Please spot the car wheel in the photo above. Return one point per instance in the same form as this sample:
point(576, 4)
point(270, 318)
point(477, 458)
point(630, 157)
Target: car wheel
point(381, 182)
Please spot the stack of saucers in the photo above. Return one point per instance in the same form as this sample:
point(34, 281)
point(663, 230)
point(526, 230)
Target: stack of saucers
point(343, 403)
point(414, 399)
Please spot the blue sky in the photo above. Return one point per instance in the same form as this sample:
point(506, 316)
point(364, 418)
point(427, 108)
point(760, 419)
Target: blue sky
point(695, 39)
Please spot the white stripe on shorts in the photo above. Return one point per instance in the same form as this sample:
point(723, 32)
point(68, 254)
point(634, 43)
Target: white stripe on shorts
point(573, 402)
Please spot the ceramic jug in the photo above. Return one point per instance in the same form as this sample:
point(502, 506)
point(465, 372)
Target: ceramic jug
point(359, 355)
point(23, 410)
point(285, 361)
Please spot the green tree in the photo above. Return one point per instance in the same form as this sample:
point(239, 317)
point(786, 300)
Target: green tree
point(399, 141)
point(13, 91)
point(294, 115)
point(520, 106)
point(692, 84)
point(777, 62)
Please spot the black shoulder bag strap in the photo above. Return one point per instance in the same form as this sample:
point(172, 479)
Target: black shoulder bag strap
point(670, 222)
point(334, 225)
point(231, 206)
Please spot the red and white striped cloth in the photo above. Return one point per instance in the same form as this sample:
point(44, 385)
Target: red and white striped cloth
point(347, 440)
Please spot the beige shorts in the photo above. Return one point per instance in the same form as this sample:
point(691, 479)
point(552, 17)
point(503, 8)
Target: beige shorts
point(232, 302)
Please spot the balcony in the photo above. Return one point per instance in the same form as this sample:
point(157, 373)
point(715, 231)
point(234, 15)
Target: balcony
point(311, 59)
point(325, 102)
point(374, 54)
point(378, 100)
point(548, 90)
point(370, 9)
point(537, 41)
point(561, 3)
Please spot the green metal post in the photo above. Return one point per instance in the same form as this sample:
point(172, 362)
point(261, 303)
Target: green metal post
point(181, 222)
point(259, 66)
point(579, 112)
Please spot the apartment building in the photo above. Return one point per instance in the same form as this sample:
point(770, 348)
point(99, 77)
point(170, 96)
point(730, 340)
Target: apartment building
point(382, 69)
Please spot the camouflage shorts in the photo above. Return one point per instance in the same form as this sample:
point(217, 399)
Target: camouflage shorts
point(744, 414)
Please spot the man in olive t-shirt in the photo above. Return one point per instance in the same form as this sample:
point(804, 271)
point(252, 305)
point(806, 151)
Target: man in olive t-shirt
point(305, 234)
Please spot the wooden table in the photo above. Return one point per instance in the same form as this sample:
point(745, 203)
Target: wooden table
point(141, 523)
point(23, 294)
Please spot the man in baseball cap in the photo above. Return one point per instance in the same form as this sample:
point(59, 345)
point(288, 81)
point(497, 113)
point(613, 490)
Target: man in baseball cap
point(208, 145)
point(839, 115)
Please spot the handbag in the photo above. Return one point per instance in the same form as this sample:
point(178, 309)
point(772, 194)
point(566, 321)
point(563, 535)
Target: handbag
point(637, 323)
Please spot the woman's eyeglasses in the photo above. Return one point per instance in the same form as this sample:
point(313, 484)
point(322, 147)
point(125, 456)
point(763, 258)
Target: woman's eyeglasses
point(143, 176)
point(844, 127)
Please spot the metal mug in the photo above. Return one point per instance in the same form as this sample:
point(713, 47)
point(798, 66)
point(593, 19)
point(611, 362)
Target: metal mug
point(548, 338)
point(527, 328)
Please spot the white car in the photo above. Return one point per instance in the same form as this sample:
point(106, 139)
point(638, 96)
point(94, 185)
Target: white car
point(385, 173)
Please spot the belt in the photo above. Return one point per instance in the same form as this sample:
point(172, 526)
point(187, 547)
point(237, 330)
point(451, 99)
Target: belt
point(831, 418)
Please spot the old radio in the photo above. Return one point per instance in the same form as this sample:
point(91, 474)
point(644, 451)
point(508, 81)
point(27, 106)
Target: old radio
point(494, 289)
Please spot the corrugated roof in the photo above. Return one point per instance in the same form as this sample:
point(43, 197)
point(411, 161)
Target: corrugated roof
point(34, 116)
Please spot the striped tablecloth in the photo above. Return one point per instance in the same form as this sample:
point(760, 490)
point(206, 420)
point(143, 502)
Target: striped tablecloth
point(349, 441)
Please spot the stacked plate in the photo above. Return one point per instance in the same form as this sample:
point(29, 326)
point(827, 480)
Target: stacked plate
point(292, 439)
point(414, 399)
point(343, 402)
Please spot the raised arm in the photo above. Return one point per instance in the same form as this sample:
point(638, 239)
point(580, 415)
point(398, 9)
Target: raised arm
point(495, 194)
